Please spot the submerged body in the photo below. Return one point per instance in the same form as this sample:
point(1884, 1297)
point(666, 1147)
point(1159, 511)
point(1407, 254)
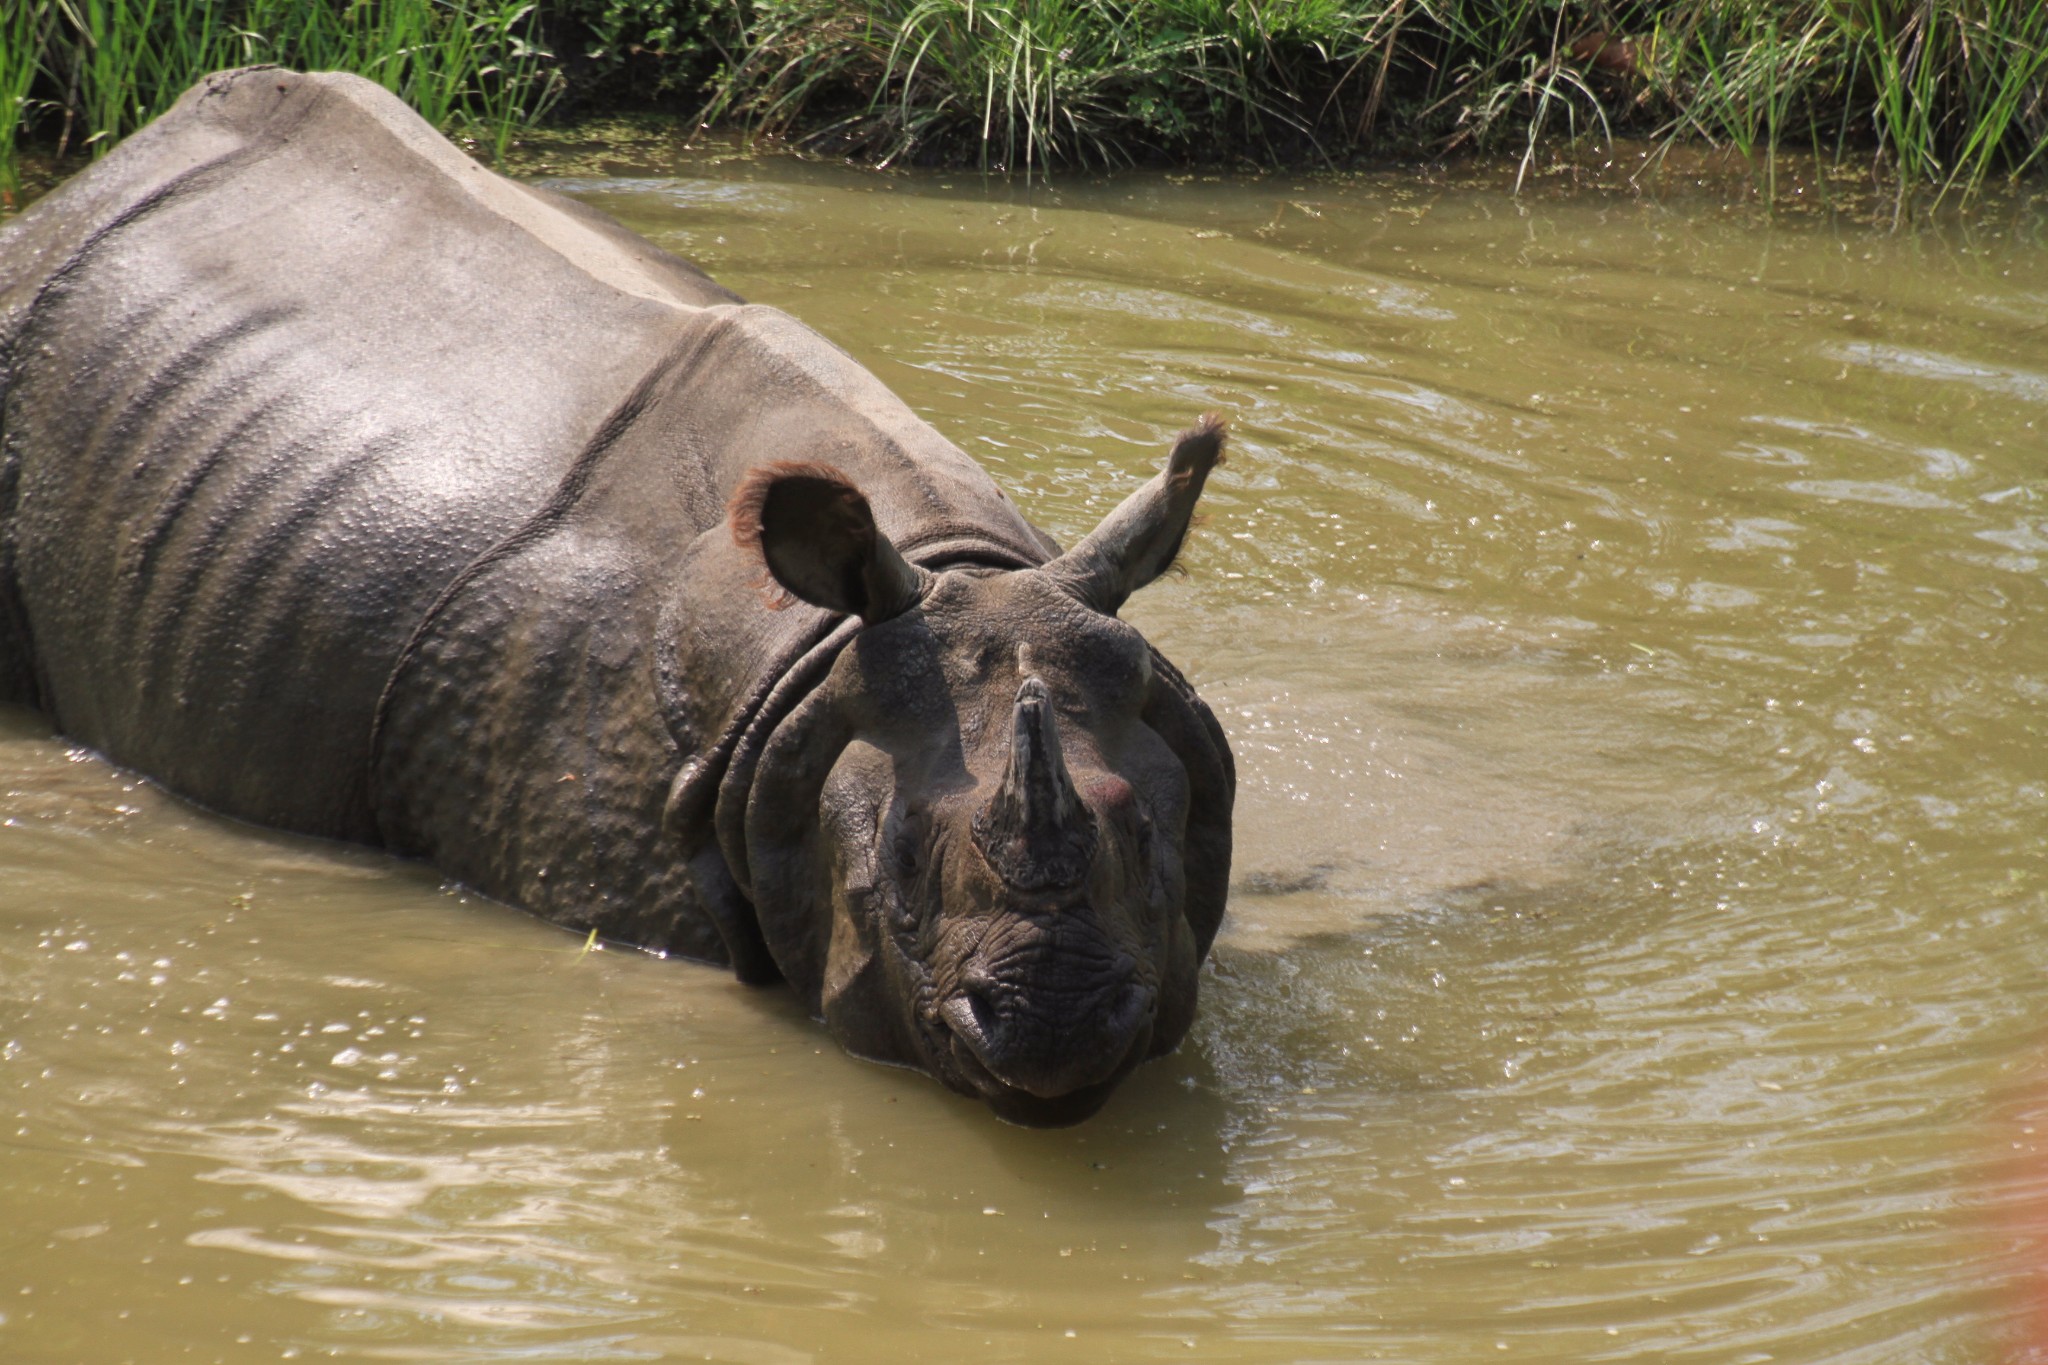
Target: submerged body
point(349, 488)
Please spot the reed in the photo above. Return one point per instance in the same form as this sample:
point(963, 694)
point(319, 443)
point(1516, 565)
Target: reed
point(1007, 83)
point(1116, 80)
point(89, 72)
point(1947, 92)
point(20, 63)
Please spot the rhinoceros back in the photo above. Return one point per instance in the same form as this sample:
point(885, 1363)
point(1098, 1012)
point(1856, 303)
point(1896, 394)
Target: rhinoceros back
point(271, 375)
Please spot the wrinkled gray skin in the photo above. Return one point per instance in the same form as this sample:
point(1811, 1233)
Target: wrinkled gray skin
point(349, 488)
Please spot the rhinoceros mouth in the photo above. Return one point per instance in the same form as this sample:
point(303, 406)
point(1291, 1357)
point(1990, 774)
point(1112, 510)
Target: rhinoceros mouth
point(1021, 1107)
point(1029, 1111)
point(966, 1073)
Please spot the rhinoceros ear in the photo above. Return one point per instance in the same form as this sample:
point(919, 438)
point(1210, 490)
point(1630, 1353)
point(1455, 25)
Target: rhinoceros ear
point(1138, 541)
point(818, 537)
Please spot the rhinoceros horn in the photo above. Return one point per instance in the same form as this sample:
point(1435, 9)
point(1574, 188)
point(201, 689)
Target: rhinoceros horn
point(1035, 832)
point(1138, 541)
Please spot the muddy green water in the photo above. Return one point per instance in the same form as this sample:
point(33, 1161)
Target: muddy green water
point(1631, 622)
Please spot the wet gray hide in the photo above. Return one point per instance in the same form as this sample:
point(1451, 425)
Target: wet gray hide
point(350, 488)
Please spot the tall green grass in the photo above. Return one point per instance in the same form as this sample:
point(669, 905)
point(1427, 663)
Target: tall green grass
point(1947, 92)
point(88, 72)
point(1013, 82)
point(20, 40)
point(1942, 92)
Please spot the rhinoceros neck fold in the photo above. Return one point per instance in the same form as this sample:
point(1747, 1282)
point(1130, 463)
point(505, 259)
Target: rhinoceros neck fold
point(790, 677)
point(620, 649)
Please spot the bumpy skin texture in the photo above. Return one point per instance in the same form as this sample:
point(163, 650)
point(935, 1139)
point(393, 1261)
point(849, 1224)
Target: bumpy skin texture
point(349, 488)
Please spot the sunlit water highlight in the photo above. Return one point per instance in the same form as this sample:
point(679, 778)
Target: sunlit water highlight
point(1629, 618)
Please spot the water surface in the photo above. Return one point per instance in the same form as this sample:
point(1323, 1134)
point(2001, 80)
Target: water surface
point(1628, 616)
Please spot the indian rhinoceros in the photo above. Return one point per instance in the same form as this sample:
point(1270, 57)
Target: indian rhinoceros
point(350, 488)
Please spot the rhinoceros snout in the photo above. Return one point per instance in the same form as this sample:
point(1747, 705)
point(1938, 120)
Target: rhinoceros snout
point(1049, 1043)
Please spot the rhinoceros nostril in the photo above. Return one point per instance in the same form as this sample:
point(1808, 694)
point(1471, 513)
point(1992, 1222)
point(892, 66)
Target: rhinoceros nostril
point(1133, 1009)
point(973, 1018)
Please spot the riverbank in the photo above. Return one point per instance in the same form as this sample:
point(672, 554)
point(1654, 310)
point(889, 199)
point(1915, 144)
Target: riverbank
point(1941, 93)
point(1948, 92)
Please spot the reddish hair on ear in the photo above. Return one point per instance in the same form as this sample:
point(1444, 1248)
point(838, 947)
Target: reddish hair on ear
point(817, 539)
point(745, 509)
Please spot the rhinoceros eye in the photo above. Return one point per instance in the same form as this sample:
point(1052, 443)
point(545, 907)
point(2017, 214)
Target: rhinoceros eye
point(909, 854)
point(903, 899)
point(907, 845)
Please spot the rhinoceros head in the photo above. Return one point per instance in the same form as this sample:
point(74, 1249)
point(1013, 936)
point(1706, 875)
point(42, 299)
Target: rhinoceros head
point(993, 843)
